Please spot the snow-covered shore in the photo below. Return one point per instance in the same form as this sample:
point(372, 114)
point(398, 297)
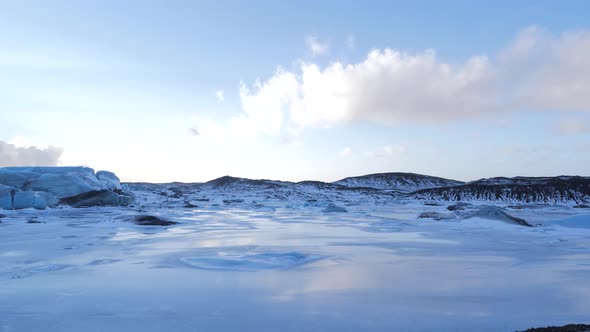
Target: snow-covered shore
point(260, 256)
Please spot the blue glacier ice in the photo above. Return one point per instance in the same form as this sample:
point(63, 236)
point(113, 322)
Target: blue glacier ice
point(42, 187)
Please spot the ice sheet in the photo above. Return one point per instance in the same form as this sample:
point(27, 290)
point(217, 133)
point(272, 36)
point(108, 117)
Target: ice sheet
point(373, 269)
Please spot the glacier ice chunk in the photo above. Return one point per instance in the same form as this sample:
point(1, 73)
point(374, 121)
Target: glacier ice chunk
point(28, 199)
point(42, 187)
point(6, 194)
point(109, 180)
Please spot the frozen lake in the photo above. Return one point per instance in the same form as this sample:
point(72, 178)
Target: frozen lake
point(291, 270)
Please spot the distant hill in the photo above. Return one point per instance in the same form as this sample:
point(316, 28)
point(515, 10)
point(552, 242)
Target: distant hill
point(384, 187)
point(550, 190)
point(406, 182)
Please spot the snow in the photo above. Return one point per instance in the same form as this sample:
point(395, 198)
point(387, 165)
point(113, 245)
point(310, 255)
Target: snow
point(236, 267)
point(258, 255)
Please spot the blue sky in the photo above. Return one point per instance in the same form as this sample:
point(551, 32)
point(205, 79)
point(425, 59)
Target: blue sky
point(193, 90)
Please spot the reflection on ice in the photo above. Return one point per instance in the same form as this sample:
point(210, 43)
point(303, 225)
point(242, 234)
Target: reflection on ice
point(238, 270)
point(253, 262)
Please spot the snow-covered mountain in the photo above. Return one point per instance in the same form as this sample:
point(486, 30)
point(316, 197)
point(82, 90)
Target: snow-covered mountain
point(233, 191)
point(234, 183)
point(548, 190)
point(571, 190)
point(406, 182)
point(42, 187)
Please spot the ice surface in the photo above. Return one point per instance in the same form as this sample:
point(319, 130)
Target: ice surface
point(259, 255)
point(236, 267)
point(251, 262)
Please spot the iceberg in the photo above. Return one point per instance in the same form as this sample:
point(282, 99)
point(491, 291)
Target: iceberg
point(42, 187)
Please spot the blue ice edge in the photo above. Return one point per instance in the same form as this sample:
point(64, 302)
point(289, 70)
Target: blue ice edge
point(251, 263)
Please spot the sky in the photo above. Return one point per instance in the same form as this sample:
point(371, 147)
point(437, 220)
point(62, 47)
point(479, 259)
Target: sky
point(188, 91)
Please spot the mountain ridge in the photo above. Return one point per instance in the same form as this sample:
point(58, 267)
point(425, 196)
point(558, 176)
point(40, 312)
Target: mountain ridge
point(411, 186)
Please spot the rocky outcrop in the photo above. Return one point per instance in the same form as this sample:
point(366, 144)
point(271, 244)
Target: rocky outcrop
point(43, 187)
point(538, 190)
point(436, 216)
point(148, 220)
point(565, 328)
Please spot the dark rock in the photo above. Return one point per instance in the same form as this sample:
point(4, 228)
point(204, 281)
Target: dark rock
point(455, 207)
point(147, 220)
point(436, 216)
point(33, 221)
point(566, 328)
point(2, 216)
point(581, 206)
point(97, 198)
point(432, 204)
point(517, 207)
point(459, 206)
point(201, 199)
point(190, 206)
point(231, 201)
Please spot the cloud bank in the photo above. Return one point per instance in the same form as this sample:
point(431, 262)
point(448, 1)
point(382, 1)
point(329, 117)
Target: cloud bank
point(535, 72)
point(12, 155)
point(572, 126)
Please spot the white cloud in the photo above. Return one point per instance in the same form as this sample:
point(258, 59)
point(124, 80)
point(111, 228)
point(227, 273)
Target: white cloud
point(536, 72)
point(315, 46)
point(219, 95)
point(549, 72)
point(264, 106)
point(22, 155)
point(388, 86)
